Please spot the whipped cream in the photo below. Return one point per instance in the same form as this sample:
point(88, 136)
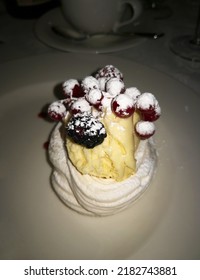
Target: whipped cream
point(94, 196)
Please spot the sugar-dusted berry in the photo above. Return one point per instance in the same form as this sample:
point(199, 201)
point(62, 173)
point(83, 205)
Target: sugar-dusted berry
point(109, 71)
point(133, 92)
point(80, 105)
point(57, 110)
point(148, 106)
point(94, 96)
point(72, 89)
point(89, 83)
point(115, 86)
point(145, 129)
point(123, 106)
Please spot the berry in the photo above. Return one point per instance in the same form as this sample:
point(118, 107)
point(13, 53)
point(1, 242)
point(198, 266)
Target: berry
point(86, 130)
point(56, 111)
point(115, 86)
point(133, 92)
point(72, 88)
point(122, 105)
point(78, 92)
point(145, 129)
point(94, 96)
point(148, 107)
point(109, 71)
point(80, 105)
point(89, 83)
point(151, 115)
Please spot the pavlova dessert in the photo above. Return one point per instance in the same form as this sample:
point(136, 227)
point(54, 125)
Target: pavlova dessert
point(102, 151)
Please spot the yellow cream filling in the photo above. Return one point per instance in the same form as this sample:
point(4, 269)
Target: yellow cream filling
point(114, 158)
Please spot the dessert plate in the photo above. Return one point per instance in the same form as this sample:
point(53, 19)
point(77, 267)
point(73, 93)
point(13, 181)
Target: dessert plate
point(163, 224)
point(97, 44)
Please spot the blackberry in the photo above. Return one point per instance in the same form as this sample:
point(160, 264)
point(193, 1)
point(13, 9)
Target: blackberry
point(86, 130)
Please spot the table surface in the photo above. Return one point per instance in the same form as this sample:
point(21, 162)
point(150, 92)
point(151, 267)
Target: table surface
point(19, 41)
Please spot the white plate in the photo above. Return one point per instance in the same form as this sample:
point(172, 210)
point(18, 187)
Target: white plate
point(99, 44)
point(163, 224)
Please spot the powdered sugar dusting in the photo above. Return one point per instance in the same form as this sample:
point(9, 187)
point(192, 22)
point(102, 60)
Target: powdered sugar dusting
point(81, 105)
point(124, 102)
point(57, 107)
point(94, 96)
point(133, 92)
point(109, 71)
point(89, 83)
point(105, 93)
point(91, 124)
point(146, 100)
point(102, 82)
point(69, 85)
point(86, 193)
point(145, 127)
point(157, 108)
point(115, 86)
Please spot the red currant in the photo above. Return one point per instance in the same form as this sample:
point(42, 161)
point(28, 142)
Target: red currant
point(133, 92)
point(122, 105)
point(148, 106)
point(77, 91)
point(94, 96)
point(89, 83)
point(81, 105)
point(115, 86)
point(151, 114)
point(72, 88)
point(145, 129)
point(57, 111)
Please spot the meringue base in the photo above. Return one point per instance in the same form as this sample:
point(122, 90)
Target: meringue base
point(94, 196)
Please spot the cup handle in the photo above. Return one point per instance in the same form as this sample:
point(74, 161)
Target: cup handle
point(136, 7)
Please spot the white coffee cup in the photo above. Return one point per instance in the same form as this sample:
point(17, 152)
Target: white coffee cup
point(99, 16)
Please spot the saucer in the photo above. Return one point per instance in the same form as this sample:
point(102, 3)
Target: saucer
point(97, 44)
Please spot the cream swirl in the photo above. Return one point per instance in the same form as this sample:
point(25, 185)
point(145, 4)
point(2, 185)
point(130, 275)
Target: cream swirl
point(93, 196)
